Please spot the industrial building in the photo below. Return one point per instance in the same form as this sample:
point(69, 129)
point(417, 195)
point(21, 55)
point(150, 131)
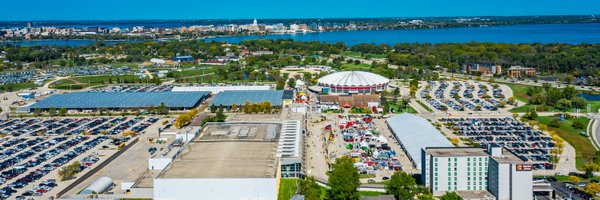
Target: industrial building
point(476, 173)
point(120, 100)
point(415, 133)
point(246, 157)
point(239, 97)
point(353, 82)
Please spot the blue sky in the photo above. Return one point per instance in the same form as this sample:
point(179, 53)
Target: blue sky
point(23, 10)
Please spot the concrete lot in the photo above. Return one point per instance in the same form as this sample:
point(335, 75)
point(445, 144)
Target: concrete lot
point(224, 160)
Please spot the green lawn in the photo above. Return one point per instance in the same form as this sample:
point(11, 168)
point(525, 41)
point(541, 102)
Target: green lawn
point(594, 106)
point(583, 147)
point(360, 55)
point(195, 72)
point(366, 175)
point(355, 67)
point(288, 186)
point(17, 86)
point(398, 109)
point(424, 106)
point(66, 84)
point(103, 79)
point(519, 91)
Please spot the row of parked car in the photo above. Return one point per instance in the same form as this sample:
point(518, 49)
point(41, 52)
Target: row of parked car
point(6, 154)
point(53, 165)
point(464, 102)
point(522, 140)
point(136, 88)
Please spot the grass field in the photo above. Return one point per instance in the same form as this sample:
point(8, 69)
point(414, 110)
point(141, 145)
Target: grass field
point(103, 79)
point(583, 147)
point(424, 106)
point(360, 55)
point(409, 109)
point(17, 86)
point(594, 106)
point(519, 91)
point(355, 67)
point(288, 187)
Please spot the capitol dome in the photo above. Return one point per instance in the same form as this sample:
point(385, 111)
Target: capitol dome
point(353, 82)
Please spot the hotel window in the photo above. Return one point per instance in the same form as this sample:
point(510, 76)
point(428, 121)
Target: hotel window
point(468, 164)
point(454, 159)
point(455, 188)
point(468, 159)
point(479, 158)
point(436, 188)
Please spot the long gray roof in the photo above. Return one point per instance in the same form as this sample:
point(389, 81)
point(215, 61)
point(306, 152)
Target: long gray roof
point(239, 97)
point(90, 100)
point(416, 133)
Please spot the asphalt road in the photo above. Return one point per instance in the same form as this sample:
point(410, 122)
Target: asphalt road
point(562, 190)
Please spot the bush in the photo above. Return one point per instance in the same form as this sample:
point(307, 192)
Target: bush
point(555, 123)
point(578, 125)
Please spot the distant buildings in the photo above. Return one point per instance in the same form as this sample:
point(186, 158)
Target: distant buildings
point(183, 59)
point(482, 68)
point(475, 171)
point(518, 71)
point(490, 69)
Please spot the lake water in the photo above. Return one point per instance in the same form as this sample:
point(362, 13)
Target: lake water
point(590, 97)
point(542, 33)
point(84, 42)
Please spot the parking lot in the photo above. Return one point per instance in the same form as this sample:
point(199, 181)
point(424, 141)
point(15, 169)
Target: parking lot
point(459, 96)
point(135, 88)
point(34, 149)
point(528, 144)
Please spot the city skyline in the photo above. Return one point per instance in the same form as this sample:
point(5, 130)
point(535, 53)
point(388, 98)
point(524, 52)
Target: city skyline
point(237, 9)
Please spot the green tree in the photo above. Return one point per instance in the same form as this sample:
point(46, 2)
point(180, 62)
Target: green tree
point(37, 111)
point(563, 104)
point(343, 180)
point(213, 108)
point(402, 185)
point(310, 189)
point(451, 196)
point(62, 112)
point(52, 111)
point(579, 102)
point(569, 92)
point(246, 108)
point(162, 109)
point(280, 85)
point(291, 83)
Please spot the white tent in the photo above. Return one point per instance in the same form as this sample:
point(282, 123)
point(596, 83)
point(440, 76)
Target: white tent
point(99, 186)
point(382, 139)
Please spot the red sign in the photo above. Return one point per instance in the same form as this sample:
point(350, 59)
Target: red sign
point(524, 167)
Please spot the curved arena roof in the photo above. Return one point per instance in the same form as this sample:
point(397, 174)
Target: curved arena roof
point(415, 133)
point(353, 78)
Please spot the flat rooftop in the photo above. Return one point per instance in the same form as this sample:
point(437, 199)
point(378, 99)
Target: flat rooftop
point(507, 156)
point(476, 194)
point(456, 151)
point(236, 150)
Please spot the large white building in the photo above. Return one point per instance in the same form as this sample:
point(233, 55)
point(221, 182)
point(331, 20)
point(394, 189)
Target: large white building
point(467, 170)
point(353, 82)
point(236, 160)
